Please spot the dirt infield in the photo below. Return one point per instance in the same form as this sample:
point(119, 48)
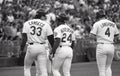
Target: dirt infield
point(78, 69)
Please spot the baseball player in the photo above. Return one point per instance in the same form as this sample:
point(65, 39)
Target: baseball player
point(35, 32)
point(105, 31)
point(62, 52)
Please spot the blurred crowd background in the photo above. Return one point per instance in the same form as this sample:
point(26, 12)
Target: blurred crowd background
point(13, 13)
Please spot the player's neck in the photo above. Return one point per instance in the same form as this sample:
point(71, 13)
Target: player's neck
point(101, 18)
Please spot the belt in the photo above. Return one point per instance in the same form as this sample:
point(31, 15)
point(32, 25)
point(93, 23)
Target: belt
point(103, 43)
point(63, 45)
point(37, 43)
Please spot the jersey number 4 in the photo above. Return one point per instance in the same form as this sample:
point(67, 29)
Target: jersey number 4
point(67, 38)
point(36, 30)
point(107, 32)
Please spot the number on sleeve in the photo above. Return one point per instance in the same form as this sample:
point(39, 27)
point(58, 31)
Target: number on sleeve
point(107, 32)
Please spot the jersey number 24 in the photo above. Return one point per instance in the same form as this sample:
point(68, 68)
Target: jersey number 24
point(67, 38)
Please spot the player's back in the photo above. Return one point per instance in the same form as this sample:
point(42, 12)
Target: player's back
point(105, 31)
point(37, 30)
point(66, 34)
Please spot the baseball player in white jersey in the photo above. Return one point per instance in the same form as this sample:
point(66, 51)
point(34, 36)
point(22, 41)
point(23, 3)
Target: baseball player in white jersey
point(105, 31)
point(35, 32)
point(62, 51)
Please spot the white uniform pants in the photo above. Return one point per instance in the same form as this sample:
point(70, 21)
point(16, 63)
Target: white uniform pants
point(38, 73)
point(36, 52)
point(104, 56)
point(63, 57)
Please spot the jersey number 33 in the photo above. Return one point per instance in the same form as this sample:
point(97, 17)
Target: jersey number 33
point(35, 30)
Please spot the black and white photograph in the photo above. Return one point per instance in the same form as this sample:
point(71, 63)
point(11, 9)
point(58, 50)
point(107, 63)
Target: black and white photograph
point(59, 37)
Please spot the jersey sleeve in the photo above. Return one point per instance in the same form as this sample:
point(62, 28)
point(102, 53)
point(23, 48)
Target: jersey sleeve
point(49, 30)
point(57, 33)
point(116, 30)
point(25, 28)
point(94, 29)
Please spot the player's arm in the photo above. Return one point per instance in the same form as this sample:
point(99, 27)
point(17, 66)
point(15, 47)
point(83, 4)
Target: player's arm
point(24, 36)
point(72, 45)
point(116, 38)
point(117, 35)
point(50, 35)
point(57, 38)
point(73, 40)
point(24, 40)
point(55, 46)
point(51, 40)
point(93, 32)
point(92, 36)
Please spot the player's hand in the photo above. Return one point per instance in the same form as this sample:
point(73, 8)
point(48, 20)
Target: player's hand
point(51, 57)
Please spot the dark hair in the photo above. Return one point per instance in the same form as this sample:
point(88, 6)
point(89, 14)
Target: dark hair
point(62, 17)
point(100, 14)
point(40, 13)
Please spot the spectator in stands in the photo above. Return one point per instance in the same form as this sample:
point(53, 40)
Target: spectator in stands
point(10, 17)
point(51, 17)
point(7, 31)
point(77, 32)
point(57, 5)
point(13, 31)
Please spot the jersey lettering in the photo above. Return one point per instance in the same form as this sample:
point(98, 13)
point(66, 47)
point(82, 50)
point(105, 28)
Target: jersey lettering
point(35, 30)
point(107, 32)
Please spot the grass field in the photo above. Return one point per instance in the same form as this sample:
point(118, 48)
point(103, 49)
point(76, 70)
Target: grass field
point(78, 69)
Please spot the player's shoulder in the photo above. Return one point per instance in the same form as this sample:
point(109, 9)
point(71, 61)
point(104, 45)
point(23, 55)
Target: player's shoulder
point(105, 20)
point(57, 28)
point(99, 22)
point(108, 21)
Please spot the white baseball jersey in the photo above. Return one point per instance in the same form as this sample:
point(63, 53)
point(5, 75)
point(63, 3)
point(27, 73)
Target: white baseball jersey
point(105, 31)
point(37, 30)
point(65, 33)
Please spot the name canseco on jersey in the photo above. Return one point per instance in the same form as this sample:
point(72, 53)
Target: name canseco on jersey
point(37, 30)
